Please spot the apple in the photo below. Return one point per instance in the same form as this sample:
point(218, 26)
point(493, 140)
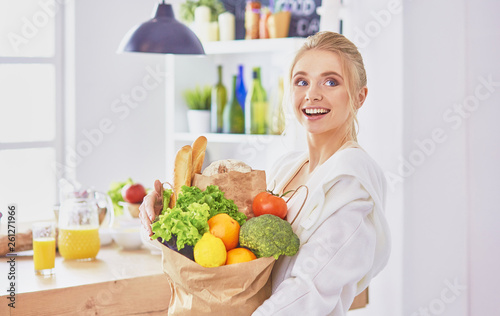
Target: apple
point(133, 193)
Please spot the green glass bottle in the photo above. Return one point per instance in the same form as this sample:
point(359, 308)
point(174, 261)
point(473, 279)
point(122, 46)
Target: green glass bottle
point(219, 100)
point(233, 118)
point(277, 114)
point(256, 106)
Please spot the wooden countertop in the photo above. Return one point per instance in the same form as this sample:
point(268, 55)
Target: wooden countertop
point(117, 282)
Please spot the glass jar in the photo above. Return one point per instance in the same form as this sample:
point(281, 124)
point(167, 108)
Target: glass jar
point(78, 224)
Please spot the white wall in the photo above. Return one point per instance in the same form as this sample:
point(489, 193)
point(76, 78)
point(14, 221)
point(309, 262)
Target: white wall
point(132, 142)
point(483, 154)
point(435, 188)
point(450, 265)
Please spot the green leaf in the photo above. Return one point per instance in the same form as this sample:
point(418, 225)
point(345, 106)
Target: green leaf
point(115, 193)
point(198, 98)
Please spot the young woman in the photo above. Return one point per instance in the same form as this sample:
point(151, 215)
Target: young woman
point(337, 211)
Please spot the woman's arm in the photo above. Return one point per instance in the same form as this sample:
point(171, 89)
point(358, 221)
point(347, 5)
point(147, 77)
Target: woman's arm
point(330, 264)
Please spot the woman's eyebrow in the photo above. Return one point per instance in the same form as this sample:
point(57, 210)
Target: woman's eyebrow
point(331, 73)
point(299, 73)
point(324, 74)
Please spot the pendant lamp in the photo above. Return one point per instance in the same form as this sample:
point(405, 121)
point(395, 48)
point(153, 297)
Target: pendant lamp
point(162, 34)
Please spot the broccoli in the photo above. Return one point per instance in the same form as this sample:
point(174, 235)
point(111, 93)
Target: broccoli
point(268, 235)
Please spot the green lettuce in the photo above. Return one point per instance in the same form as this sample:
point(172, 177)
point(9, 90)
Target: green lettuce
point(188, 226)
point(188, 220)
point(214, 198)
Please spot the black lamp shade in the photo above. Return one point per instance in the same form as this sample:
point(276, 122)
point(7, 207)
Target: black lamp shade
point(162, 34)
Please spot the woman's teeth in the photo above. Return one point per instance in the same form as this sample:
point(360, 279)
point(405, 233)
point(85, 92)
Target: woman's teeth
point(315, 111)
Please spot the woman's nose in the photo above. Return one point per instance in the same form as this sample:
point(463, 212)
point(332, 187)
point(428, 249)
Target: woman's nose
point(313, 94)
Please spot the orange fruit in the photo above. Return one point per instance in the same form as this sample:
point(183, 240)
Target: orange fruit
point(226, 228)
point(238, 255)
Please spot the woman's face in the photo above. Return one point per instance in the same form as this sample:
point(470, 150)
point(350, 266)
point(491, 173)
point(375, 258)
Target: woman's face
point(319, 93)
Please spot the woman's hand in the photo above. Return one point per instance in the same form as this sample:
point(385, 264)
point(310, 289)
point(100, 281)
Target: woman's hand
point(151, 207)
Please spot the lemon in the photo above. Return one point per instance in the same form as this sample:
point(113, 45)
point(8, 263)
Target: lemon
point(210, 251)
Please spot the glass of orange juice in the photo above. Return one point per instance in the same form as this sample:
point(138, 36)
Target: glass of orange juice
point(44, 248)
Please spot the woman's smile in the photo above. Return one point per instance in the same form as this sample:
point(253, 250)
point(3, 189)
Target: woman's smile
point(314, 113)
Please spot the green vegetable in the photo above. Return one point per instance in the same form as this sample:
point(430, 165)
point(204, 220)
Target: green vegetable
point(268, 235)
point(188, 220)
point(115, 193)
point(214, 198)
point(188, 226)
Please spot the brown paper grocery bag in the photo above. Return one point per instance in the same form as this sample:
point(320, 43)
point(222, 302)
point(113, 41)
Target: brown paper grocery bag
point(236, 289)
point(237, 186)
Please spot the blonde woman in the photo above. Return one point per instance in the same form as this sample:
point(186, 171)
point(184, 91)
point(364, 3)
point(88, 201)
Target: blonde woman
point(338, 210)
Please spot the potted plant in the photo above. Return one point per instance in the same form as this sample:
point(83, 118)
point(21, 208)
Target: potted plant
point(198, 101)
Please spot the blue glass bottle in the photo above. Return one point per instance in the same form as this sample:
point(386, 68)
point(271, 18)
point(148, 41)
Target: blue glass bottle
point(241, 91)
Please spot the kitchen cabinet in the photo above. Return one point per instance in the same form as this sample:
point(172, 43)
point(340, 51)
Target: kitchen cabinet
point(184, 72)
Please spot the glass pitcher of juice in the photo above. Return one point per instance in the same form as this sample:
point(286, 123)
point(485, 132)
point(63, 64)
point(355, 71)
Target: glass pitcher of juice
point(79, 224)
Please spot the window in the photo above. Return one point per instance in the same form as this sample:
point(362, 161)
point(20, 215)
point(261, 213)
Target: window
point(31, 109)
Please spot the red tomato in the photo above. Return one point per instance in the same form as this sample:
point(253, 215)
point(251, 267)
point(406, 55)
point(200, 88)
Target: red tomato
point(268, 203)
point(133, 193)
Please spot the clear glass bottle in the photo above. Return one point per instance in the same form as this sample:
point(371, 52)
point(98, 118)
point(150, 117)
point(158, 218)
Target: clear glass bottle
point(219, 100)
point(234, 120)
point(256, 106)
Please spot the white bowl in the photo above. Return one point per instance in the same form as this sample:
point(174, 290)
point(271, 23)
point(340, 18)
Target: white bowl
point(128, 238)
point(105, 236)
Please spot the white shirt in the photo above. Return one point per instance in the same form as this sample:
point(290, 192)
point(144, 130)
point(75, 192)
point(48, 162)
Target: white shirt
point(343, 234)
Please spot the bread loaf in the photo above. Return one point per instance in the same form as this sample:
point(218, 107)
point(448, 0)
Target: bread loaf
point(183, 169)
point(224, 166)
point(199, 147)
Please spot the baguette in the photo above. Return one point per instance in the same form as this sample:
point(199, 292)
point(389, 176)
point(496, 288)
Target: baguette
point(199, 147)
point(183, 169)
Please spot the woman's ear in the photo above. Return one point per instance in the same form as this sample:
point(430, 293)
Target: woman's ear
point(363, 92)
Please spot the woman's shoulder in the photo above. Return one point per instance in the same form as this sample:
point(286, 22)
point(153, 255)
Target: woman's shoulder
point(357, 163)
point(354, 160)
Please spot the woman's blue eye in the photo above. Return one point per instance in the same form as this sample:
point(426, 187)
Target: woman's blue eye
point(331, 83)
point(301, 83)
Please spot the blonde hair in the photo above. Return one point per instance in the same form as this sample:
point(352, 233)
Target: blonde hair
point(352, 68)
